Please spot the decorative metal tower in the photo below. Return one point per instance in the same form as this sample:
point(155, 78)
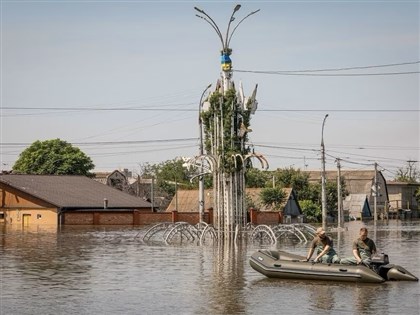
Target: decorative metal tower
point(224, 121)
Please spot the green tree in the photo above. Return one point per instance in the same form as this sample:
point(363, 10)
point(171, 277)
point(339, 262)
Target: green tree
point(408, 173)
point(311, 210)
point(288, 176)
point(169, 174)
point(255, 178)
point(292, 178)
point(53, 157)
point(272, 197)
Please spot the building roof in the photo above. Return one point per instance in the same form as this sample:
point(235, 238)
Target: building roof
point(348, 174)
point(356, 181)
point(356, 203)
point(405, 184)
point(187, 200)
point(68, 191)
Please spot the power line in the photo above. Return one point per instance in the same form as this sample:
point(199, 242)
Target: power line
point(354, 68)
point(310, 72)
point(109, 142)
point(329, 74)
point(194, 110)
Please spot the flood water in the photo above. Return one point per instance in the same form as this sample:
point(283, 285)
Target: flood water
point(110, 270)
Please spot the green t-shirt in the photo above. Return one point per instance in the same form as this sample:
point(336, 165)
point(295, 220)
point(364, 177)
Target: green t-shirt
point(364, 247)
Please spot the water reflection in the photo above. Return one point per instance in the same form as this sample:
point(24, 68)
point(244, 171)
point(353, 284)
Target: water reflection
point(228, 273)
point(321, 296)
point(366, 298)
point(107, 270)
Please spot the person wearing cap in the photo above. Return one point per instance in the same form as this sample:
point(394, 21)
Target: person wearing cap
point(363, 249)
point(323, 245)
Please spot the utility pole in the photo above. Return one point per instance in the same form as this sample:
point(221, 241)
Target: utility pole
point(323, 179)
point(375, 193)
point(339, 197)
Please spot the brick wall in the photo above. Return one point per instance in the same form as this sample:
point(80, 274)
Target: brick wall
point(77, 218)
point(118, 218)
point(154, 217)
point(265, 217)
point(148, 218)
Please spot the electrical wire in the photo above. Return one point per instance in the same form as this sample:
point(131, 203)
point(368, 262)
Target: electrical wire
point(313, 72)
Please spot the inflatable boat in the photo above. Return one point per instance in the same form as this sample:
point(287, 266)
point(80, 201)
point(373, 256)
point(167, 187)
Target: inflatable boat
point(280, 264)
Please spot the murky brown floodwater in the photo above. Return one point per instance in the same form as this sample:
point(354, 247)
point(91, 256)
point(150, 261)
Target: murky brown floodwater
point(108, 270)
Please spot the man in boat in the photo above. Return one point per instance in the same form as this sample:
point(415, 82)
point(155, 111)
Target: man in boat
point(323, 245)
point(363, 249)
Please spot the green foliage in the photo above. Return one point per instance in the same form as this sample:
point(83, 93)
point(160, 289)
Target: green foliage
point(311, 210)
point(408, 173)
point(249, 203)
point(292, 178)
point(170, 175)
point(255, 178)
point(272, 197)
point(299, 181)
point(53, 157)
point(225, 124)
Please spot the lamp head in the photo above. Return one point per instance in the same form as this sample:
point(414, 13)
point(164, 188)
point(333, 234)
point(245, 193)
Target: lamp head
point(199, 10)
point(237, 7)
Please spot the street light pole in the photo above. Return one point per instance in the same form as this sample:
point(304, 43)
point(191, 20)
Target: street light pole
point(323, 179)
point(201, 153)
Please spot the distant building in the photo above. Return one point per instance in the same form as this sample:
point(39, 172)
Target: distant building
point(358, 182)
point(145, 188)
point(31, 200)
point(402, 195)
point(357, 206)
point(187, 201)
point(116, 179)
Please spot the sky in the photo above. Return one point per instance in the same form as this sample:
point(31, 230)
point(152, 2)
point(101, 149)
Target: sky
point(122, 80)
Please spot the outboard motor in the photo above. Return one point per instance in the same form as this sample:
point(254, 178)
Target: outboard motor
point(380, 264)
point(377, 261)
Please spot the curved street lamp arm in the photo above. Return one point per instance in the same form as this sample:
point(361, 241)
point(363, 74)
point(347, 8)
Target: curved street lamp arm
point(213, 26)
point(212, 23)
point(322, 132)
point(231, 34)
point(237, 7)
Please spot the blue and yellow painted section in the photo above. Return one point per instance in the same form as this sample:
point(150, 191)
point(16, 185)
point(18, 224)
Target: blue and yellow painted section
point(226, 62)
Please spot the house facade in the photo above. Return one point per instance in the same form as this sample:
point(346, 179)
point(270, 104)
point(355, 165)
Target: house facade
point(52, 200)
point(359, 182)
point(402, 195)
point(356, 206)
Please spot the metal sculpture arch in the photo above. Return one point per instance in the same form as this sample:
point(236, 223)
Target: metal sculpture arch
point(302, 232)
point(154, 230)
point(181, 229)
point(169, 232)
point(264, 232)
